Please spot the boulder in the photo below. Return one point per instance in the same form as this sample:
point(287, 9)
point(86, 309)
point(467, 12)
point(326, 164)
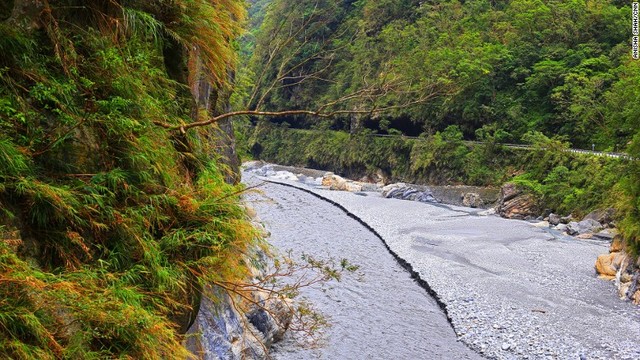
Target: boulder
point(561, 227)
point(387, 189)
point(335, 182)
point(617, 244)
point(472, 200)
point(602, 216)
point(607, 265)
point(566, 219)
point(271, 316)
point(517, 204)
point(554, 219)
point(352, 186)
point(636, 297)
point(617, 265)
point(404, 192)
point(220, 331)
point(588, 226)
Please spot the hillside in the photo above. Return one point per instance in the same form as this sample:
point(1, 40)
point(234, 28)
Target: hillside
point(522, 71)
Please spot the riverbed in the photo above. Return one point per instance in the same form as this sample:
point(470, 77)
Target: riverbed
point(376, 312)
point(511, 290)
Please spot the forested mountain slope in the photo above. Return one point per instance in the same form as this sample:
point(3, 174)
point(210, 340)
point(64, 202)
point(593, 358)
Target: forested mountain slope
point(559, 67)
point(542, 71)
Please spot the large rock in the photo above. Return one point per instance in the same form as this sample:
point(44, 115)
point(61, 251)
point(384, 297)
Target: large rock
point(617, 244)
point(602, 216)
point(607, 265)
point(220, 331)
point(223, 330)
point(515, 203)
point(618, 266)
point(233, 327)
point(403, 191)
point(588, 226)
point(271, 316)
point(335, 182)
point(472, 200)
point(554, 219)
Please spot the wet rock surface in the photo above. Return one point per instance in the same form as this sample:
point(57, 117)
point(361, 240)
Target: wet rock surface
point(512, 290)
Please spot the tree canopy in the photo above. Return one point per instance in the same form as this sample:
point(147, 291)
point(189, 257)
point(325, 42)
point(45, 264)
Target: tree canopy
point(549, 66)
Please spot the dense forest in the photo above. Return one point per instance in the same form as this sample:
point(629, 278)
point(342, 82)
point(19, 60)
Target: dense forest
point(563, 68)
point(554, 74)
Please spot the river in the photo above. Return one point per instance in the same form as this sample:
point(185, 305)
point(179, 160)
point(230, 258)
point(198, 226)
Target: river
point(510, 289)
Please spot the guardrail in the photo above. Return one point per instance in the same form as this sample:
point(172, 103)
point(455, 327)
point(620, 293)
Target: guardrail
point(617, 155)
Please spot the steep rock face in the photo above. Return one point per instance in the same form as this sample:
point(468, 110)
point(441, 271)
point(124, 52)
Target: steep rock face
point(222, 330)
point(621, 268)
point(515, 203)
point(232, 328)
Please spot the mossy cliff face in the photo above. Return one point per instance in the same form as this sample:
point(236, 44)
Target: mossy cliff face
point(111, 224)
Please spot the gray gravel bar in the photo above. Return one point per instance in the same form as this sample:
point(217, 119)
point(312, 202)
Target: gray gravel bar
point(511, 290)
point(378, 312)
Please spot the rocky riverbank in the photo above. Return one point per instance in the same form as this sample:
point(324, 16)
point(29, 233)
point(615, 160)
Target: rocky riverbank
point(512, 290)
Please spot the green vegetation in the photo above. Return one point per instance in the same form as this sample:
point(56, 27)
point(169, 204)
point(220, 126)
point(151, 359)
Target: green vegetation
point(565, 182)
point(111, 225)
point(501, 71)
point(112, 219)
point(561, 68)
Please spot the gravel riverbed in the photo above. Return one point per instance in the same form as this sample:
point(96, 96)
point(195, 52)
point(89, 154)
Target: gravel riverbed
point(377, 312)
point(511, 290)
